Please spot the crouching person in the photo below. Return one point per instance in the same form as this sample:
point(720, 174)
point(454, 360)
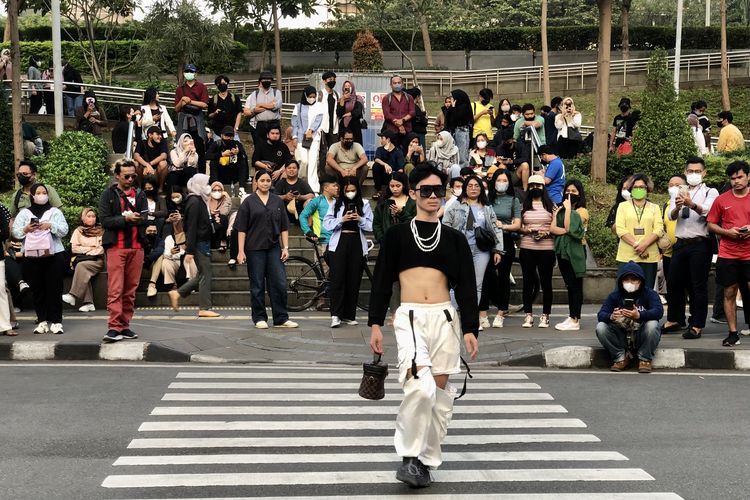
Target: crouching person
point(632, 309)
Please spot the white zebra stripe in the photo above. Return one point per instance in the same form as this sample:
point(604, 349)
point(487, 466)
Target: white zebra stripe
point(353, 396)
point(342, 410)
point(344, 384)
point(290, 374)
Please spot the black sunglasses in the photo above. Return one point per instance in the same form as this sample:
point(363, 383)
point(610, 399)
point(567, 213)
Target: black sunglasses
point(129, 176)
point(427, 191)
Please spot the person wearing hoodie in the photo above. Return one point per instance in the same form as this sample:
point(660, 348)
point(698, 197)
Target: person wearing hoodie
point(90, 115)
point(631, 306)
point(198, 231)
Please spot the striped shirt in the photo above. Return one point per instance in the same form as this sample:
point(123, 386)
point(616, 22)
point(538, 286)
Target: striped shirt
point(541, 219)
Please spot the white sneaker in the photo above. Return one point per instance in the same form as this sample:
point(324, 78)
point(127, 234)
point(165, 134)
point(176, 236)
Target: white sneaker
point(350, 322)
point(151, 292)
point(569, 325)
point(22, 286)
point(498, 323)
point(56, 328)
point(544, 321)
point(261, 325)
point(528, 322)
point(287, 324)
point(335, 322)
point(87, 308)
point(42, 327)
point(745, 332)
point(69, 299)
point(514, 309)
point(512, 280)
point(484, 322)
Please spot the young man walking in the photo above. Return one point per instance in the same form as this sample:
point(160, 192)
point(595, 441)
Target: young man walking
point(427, 259)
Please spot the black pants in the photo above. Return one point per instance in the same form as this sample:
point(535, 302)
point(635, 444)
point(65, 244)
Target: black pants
point(718, 311)
point(346, 275)
point(537, 266)
point(35, 102)
point(688, 274)
point(220, 232)
point(234, 245)
point(180, 177)
point(379, 176)
point(45, 277)
point(574, 286)
point(496, 285)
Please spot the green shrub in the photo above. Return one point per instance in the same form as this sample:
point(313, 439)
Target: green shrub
point(7, 167)
point(366, 53)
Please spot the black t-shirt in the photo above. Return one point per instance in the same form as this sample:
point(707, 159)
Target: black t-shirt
point(283, 187)
point(229, 106)
point(276, 153)
point(150, 153)
point(623, 127)
point(120, 137)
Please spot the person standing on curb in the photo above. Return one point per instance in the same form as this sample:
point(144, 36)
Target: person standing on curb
point(122, 211)
point(198, 229)
point(426, 258)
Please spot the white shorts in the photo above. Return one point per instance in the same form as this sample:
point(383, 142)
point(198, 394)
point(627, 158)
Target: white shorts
point(438, 338)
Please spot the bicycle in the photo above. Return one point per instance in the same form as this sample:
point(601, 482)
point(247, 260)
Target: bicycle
point(307, 283)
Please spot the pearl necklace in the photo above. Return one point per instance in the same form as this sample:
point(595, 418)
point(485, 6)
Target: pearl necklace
point(426, 244)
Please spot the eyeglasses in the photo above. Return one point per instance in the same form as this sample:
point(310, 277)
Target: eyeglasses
point(428, 191)
point(129, 176)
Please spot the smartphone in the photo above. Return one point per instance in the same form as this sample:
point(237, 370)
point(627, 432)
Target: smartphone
point(741, 230)
point(351, 207)
point(34, 221)
point(684, 190)
point(629, 304)
point(391, 202)
point(144, 212)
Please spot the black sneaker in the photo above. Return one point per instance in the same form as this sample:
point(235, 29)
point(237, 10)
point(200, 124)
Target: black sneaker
point(112, 336)
point(732, 340)
point(691, 334)
point(414, 473)
point(129, 334)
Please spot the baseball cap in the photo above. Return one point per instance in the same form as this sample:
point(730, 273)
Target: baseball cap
point(387, 133)
point(536, 179)
point(190, 67)
point(228, 130)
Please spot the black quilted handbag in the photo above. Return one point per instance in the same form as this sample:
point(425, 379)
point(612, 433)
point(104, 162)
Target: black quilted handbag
point(373, 379)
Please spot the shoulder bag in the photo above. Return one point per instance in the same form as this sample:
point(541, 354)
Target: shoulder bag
point(484, 237)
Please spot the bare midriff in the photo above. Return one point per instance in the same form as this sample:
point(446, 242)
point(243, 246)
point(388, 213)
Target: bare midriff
point(423, 285)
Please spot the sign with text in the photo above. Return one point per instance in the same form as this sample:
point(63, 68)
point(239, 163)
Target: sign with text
point(376, 105)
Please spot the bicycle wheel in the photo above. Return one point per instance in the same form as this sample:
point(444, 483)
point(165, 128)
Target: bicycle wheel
point(365, 287)
point(304, 283)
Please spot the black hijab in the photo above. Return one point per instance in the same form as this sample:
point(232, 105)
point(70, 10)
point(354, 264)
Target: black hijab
point(459, 115)
point(308, 90)
point(38, 210)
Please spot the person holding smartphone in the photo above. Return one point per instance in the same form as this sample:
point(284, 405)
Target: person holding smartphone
point(91, 116)
point(350, 110)
point(347, 220)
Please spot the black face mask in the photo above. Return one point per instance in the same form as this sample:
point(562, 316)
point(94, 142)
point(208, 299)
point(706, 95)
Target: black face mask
point(347, 144)
point(228, 143)
point(23, 180)
point(151, 193)
point(330, 85)
point(624, 109)
point(222, 87)
point(718, 124)
point(536, 192)
point(151, 238)
point(484, 102)
point(266, 85)
point(574, 199)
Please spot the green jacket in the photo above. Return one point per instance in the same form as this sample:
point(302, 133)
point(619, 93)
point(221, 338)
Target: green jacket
point(382, 219)
point(570, 246)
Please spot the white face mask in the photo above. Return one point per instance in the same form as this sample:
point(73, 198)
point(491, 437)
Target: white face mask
point(217, 195)
point(310, 100)
point(631, 287)
point(625, 194)
point(439, 143)
point(694, 179)
point(674, 191)
point(177, 200)
point(189, 76)
point(350, 194)
point(515, 118)
point(505, 108)
point(41, 199)
point(481, 144)
point(501, 187)
point(457, 192)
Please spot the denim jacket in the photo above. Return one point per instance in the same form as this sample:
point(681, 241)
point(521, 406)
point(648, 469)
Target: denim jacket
point(458, 213)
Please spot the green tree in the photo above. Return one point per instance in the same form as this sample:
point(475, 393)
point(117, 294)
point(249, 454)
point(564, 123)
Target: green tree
point(366, 53)
point(662, 141)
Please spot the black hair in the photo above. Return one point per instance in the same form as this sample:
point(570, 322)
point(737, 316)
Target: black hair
point(456, 179)
point(581, 193)
point(260, 172)
point(124, 162)
point(482, 193)
point(124, 110)
point(292, 162)
point(29, 164)
point(528, 107)
point(220, 78)
point(695, 159)
point(349, 180)
point(328, 74)
point(397, 176)
point(501, 101)
point(308, 90)
point(736, 166)
point(153, 129)
point(327, 179)
point(547, 149)
point(700, 104)
point(486, 94)
point(546, 202)
point(640, 176)
point(423, 171)
point(491, 193)
point(545, 109)
point(465, 171)
point(681, 176)
point(345, 131)
point(515, 107)
point(150, 179)
point(620, 186)
point(726, 115)
point(483, 135)
point(149, 95)
point(556, 101)
point(273, 126)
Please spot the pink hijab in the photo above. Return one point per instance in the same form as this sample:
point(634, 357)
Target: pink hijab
point(350, 101)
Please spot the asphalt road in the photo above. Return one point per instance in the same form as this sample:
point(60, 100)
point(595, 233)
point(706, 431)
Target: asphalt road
point(196, 431)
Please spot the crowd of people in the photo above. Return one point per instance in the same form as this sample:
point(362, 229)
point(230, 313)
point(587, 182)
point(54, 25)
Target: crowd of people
point(506, 192)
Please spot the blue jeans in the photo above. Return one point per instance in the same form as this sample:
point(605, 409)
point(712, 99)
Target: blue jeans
point(72, 102)
point(264, 267)
point(480, 260)
point(614, 339)
point(462, 137)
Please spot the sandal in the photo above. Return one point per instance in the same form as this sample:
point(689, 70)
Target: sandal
point(10, 333)
point(223, 247)
point(673, 328)
point(691, 333)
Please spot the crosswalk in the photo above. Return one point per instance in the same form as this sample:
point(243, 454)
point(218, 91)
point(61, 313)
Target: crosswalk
point(289, 431)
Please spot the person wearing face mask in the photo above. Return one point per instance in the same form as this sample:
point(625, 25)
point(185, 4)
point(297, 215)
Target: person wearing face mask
point(191, 100)
point(639, 224)
point(91, 116)
point(440, 118)
point(398, 111)
point(698, 137)
point(263, 107)
point(6, 308)
point(183, 162)
point(199, 228)
point(458, 122)
point(228, 159)
point(554, 172)
point(496, 283)
point(350, 110)
point(224, 109)
point(219, 206)
point(26, 176)
point(329, 128)
point(567, 129)
point(88, 260)
point(153, 250)
point(693, 251)
point(444, 153)
point(347, 158)
point(420, 122)
point(481, 158)
point(42, 227)
point(484, 114)
point(623, 194)
point(307, 119)
point(730, 137)
point(698, 108)
point(72, 97)
point(152, 112)
point(622, 128)
point(388, 160)
point(632, 307)
point(504, 110)
point(36, 87)
point(675, 184)
point(347, 220)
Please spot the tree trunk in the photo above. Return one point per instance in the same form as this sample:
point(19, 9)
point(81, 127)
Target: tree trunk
point(277, 44)
point(426, 40)
point(6, 35)
point(725, 105)
point(15, 54)
point(599, 156)
point(545, 56)
point(625, 20)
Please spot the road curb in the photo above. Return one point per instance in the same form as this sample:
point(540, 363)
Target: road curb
point(582, 357)
point(90, 351)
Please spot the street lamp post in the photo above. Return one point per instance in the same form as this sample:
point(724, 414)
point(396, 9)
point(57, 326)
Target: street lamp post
point(678, 48)
point(57, 67)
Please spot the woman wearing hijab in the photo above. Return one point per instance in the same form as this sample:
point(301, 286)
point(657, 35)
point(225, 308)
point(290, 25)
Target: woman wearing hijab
point(306, 120)
point(183, 162)
point(198, 230)
point(445, 153)
point(36, 88)
point(458, 121)
point(88, 259)
point(350, 110)
point(91, 116)
point(41, 227)
point(219, 206)
point(568, 124)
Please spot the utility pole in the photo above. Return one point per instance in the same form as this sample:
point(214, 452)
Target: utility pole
point(57, 67)
point(708, 13)
point(15, 55)
point(678, 48)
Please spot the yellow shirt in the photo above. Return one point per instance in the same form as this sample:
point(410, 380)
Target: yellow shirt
point(484, 123)
point(730, 139)
point(584, 214)
point(629, 220)
point(670, 226)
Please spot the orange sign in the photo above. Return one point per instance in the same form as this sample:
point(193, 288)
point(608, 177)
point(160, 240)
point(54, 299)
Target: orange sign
point(376, 106)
